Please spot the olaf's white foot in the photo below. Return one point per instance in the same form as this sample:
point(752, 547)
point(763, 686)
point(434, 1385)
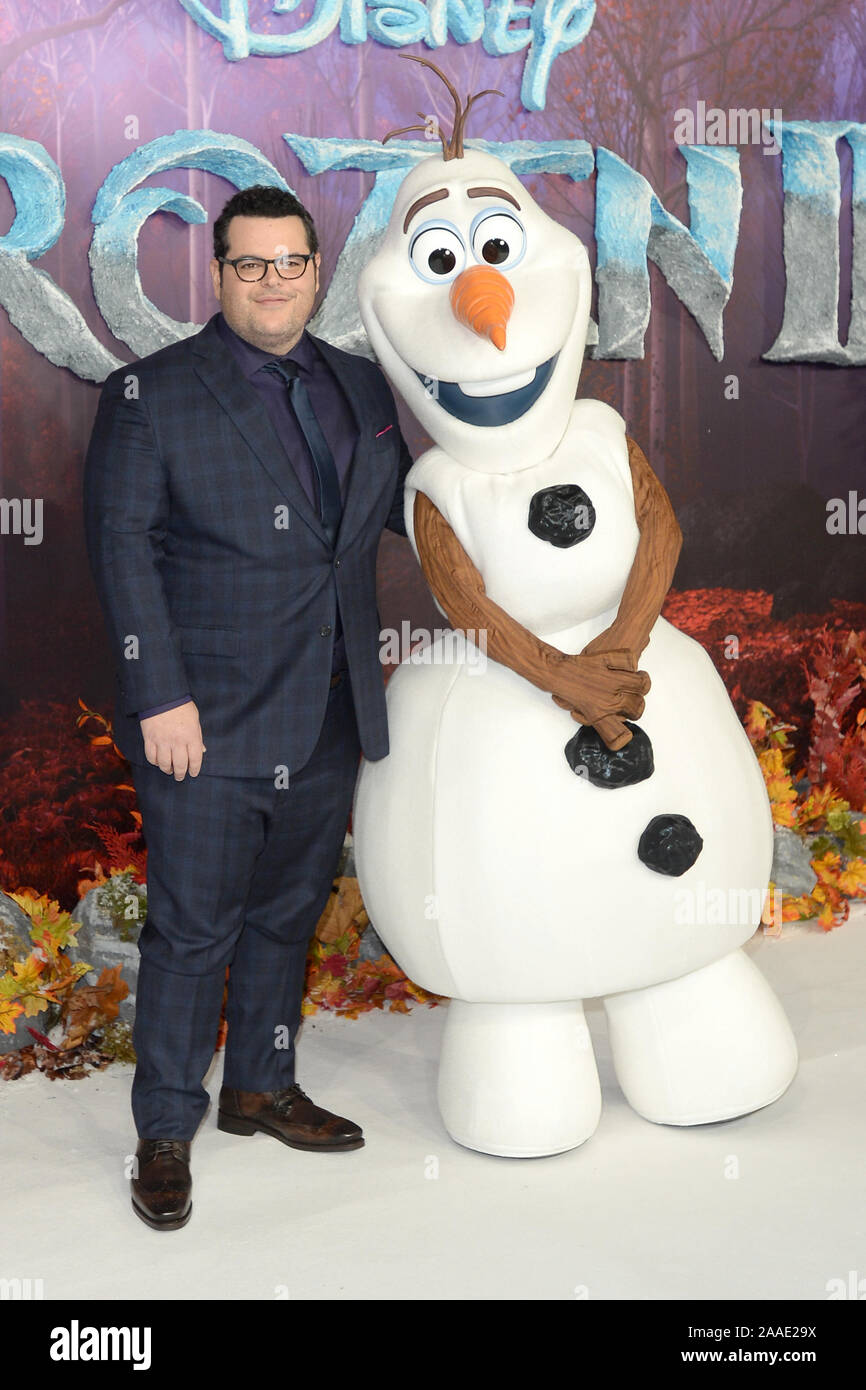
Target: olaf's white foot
point(709, 1046)
point(518, 1079)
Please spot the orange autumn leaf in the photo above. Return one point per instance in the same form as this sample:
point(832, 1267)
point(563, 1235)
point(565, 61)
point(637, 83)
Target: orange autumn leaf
point(41, 910)
point(28, 987)
point(93, 1004)
point(10, 1010)
point(827, 867)
point(780, 789)
point(344, 907)
point(796, 909)
point(761, 724)
point(84, 885)
point(820, 802)
point(756, 721)
point(852, 878)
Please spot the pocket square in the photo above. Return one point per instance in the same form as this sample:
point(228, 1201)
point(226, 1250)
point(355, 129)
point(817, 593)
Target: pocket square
point(384, 431)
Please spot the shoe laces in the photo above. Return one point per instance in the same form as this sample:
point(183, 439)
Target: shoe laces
point(285, 1099)
point(173, 1146)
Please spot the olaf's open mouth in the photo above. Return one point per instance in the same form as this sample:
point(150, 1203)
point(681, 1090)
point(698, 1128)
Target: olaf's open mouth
point(494, 402)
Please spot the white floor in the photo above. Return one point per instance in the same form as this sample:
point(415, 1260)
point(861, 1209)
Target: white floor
point(639, 1212)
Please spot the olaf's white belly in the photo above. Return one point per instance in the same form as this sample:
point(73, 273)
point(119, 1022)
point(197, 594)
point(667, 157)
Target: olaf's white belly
point(493, 872)
point(490, 869)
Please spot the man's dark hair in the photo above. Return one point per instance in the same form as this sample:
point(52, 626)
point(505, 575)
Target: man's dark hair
point(262, 200)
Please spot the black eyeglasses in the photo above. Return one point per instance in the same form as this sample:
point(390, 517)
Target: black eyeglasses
point(251, 268)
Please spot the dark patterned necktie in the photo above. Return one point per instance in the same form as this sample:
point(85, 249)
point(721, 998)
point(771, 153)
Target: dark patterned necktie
point(323, 459)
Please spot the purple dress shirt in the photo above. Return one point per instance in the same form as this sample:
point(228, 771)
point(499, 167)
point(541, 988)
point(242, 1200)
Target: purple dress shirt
point(335, 418)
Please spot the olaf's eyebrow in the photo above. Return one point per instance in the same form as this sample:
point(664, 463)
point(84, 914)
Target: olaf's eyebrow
point(492, 193)
point(440, 193)
point(422, 203)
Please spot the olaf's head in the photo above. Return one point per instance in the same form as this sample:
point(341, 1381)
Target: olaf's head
point(476, 304)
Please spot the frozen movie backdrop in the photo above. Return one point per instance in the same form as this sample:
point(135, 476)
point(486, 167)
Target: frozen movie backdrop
point(711, 155)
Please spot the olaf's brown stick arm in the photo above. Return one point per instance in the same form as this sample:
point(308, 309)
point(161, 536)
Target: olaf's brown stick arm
point(459, 588)
point(600, 690)
point(654, 563)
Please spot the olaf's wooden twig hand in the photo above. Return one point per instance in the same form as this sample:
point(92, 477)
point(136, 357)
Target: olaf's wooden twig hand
point(601, 686)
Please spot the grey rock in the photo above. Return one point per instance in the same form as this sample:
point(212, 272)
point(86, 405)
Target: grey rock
point(348, 860)
point(101, 945)
point(14, 933)
point(13, 1042)
point(791, 871)
point(372, 946)
point(15, 944)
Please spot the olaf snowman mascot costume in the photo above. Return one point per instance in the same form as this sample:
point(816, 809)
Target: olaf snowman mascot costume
point(527, 844)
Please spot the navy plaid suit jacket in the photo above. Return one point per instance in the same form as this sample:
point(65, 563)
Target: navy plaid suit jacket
point(214, 573)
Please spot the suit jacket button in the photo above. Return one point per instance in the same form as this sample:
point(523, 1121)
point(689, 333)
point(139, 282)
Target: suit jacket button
point(324, 630)
point(337, 564)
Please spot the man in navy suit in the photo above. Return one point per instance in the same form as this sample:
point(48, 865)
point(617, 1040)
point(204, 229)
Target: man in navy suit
point(236, 487)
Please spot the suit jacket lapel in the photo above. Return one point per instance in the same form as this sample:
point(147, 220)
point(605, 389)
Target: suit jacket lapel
point(218, 370)
point(359, 494)
point(216, 367)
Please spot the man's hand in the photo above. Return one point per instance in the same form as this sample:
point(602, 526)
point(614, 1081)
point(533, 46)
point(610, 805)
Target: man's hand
point(173, 742)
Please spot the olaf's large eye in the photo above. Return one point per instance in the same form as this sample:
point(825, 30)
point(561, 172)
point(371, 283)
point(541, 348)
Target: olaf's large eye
point(498, 239)
point(437, 254)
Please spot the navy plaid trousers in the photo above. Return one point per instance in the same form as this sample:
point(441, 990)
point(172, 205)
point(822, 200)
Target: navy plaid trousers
point(238, 874)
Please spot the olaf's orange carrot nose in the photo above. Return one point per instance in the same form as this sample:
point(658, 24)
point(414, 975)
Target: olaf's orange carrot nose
point(482, 298)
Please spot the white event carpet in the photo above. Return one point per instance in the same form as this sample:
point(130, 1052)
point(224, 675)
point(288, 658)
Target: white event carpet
point(639, 1212)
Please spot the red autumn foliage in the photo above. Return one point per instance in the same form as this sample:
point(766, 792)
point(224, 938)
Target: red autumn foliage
point(59, 798)
point(67, 803)
point(787, 665)
point(836, 681)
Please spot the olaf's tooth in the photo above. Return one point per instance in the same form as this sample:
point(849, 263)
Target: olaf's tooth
point(497, 385)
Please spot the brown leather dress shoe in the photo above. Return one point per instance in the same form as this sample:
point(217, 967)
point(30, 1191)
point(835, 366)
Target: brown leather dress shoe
point(289, 1115)
point(161, 1191)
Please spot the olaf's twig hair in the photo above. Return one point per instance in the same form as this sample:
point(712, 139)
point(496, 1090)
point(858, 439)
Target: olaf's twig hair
point(453, 147)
